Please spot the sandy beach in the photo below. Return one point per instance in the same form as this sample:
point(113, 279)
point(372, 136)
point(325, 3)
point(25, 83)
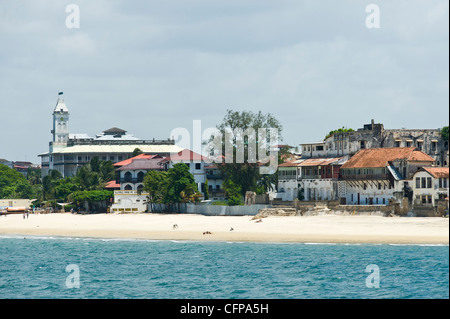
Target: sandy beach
point(314, 229)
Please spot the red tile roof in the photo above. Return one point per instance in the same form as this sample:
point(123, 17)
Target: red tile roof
point(379, 157)
point(112, 184)
point(437, 172)
point(187, 155)
point(144, 164)
point(128, 161)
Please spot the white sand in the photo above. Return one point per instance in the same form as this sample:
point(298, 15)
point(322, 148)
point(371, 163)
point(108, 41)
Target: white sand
point(326, 228)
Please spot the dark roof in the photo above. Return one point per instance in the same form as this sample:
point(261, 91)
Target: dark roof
point(114, 130)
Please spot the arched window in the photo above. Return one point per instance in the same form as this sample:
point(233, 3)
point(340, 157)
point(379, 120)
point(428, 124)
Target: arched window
point(140, 177)
point(127, 177)
point(128, 187)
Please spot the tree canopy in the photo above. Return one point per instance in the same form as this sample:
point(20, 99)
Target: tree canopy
point(175, 186)
point(339, 130)
point(14, 185)
point(245, 174)
point(444, 133)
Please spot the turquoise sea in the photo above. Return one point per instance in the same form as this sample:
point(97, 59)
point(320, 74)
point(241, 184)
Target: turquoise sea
point(51, 267)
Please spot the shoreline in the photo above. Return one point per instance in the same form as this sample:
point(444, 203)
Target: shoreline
point(322, 229)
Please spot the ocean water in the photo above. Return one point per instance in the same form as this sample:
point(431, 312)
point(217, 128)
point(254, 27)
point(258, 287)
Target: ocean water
point(47, 267)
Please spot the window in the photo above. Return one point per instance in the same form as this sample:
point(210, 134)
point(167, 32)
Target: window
point(433, 146)
point(365, 187)
point(419, 145)
point(198, 165)
point(428, 182)
point(440, 182)
point(319, 148)
point(363, 144)
point(417, 182)
point(384, 201)
point(379, 187)
point(424, 182)
point(408, 144)
point(397, 144)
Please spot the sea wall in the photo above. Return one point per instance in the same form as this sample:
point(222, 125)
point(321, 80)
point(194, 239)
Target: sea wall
point(215, 210)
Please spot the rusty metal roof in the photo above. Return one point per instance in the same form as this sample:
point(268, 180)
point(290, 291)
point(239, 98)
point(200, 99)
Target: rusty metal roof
point(379, 157)
point(437, 172)
point(321, 161)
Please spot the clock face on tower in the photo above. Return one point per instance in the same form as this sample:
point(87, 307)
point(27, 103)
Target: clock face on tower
point(61, 119)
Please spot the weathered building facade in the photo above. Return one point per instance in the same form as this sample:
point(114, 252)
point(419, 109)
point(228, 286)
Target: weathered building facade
point(429, 141)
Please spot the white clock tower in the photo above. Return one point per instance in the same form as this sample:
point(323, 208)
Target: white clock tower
point(60, 134)
point(60, 130)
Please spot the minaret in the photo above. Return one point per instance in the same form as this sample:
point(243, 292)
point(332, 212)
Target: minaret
point(60, 130)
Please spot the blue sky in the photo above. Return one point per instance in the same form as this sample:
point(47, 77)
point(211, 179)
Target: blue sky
point(151, 66)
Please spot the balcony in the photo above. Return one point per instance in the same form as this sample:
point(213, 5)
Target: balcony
point(214, 176)
point(365, 177)
point(130, 180)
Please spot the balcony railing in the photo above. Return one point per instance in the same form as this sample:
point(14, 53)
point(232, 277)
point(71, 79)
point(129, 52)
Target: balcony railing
point(214, 176)
point(130, 180)
point(365, 176)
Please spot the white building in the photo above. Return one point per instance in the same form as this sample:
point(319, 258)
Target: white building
point(430, 185)
point(289, 175)
point(129, 201)
point(67, 152)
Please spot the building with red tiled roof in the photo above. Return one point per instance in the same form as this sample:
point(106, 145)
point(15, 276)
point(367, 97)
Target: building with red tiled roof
point(129, 160)
point(373, 176)
point(131, 172)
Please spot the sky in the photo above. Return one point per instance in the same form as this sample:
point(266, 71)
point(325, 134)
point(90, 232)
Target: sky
point(151, 66)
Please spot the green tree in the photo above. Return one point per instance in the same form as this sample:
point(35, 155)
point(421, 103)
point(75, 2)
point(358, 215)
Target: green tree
point(180, 180)
point(92, 200)
point(339, 130)
point(95, 175)
point(136, 152)
point(155, 183)
point(245, 175)
point(206, 191)
point(444, 133)
point(233, 192)
point(13, 184)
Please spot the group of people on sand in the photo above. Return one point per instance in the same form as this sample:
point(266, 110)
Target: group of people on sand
point(175, 226)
